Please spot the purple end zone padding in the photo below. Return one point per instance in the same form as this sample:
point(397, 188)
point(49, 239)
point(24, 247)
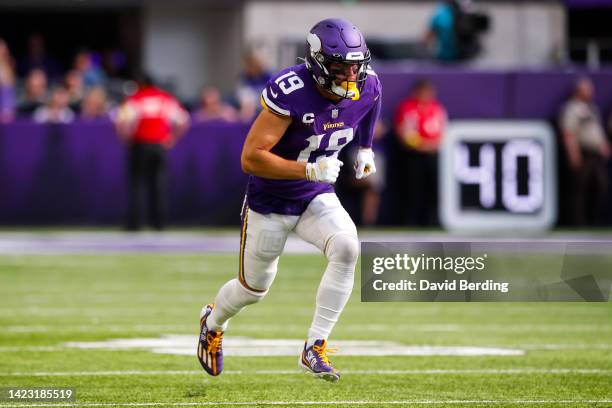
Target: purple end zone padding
point(75, 174)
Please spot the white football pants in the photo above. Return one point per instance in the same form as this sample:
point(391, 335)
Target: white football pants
point(325, 224)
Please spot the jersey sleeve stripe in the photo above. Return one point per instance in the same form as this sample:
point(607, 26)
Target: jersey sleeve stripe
point(272, 106)
point(267, 108)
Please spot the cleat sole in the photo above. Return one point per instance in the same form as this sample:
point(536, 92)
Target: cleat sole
point(329, 377)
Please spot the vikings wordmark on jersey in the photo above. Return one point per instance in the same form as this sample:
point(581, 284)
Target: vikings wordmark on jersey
point(320, 127)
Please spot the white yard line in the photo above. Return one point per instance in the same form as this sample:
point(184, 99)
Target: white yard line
point(531, 347)
point(96, 328)
point(307, 403)
point(37, 328)
point(493, 371)
point(179, 344)
point(17, 349)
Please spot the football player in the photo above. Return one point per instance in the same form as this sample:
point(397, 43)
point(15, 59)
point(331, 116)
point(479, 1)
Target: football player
point(311, 111)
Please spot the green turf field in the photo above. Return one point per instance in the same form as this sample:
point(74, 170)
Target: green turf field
point(53, 299)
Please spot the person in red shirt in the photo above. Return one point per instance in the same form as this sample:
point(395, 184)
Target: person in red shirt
point(149, 122)
point(420, 122)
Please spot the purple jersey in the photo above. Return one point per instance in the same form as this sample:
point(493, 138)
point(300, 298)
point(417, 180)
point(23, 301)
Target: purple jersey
point(320, 127)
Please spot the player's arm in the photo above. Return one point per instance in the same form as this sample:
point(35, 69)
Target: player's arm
point(406, 128)
point(179, 121)
point(572, 149)
point(268, 129)
point(433, 145)
point(364, 164)
point(258, 160)
point(368, 123)
point(606, 149)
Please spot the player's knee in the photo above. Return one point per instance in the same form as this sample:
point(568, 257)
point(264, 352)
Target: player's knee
point(343, 248)
point(260, 272)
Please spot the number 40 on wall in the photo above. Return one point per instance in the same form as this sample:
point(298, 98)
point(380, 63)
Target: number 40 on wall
point(497, 175)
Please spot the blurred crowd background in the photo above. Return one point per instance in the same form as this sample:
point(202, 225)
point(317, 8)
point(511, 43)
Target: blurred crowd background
point(67, 67)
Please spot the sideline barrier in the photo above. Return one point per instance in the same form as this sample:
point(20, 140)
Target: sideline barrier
point(75, 174)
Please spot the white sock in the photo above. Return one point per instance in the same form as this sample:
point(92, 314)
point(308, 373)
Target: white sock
point(334, 291)
point(311, 341)
point(212, 324)
point(336, 285)
point(231, 299)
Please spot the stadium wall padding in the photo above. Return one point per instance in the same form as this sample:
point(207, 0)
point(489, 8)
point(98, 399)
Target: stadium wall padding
point(75, 174)
point(491, 94)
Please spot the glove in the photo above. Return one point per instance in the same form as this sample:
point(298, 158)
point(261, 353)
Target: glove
point(364, 166)
point(325, 170)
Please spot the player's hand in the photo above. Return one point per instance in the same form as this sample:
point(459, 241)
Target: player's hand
point(324, 170)
point(364, 166)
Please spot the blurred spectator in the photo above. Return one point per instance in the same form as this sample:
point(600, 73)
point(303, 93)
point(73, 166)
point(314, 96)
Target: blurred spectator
point(37, 58)
point(92, 74)
point(254, 75)
point(587, 149)
point(454, 31)
point(253, 80)
point(420, 122)
point(94, 104)
point(114, 63)
point(7, 83)
point(73, 81)
point(441, 32)
point(35, 92)
point(213, 108)
point(56, 110)
point(249, 104)
point(149, 122)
